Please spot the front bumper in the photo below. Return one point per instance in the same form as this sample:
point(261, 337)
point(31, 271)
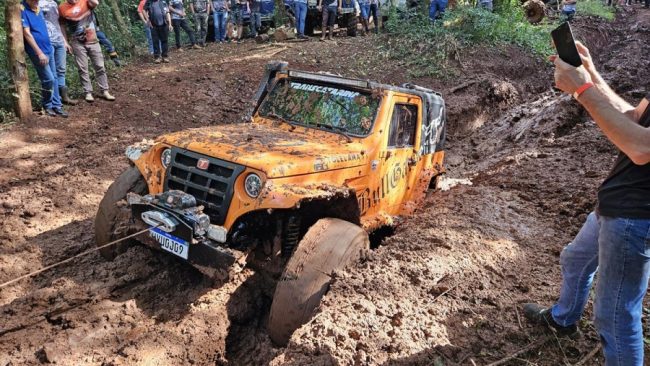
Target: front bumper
point(212, 257)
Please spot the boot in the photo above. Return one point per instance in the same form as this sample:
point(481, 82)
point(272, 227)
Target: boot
point(540, 315)
point(65, 98)
point(116, 59)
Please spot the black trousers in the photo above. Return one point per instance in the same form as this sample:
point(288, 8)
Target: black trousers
point(182, 23)
point(159, 35)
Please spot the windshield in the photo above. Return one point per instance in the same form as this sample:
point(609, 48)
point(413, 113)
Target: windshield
point(320, 106)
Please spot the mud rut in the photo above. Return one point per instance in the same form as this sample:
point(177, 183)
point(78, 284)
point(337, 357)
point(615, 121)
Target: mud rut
point(443, 289)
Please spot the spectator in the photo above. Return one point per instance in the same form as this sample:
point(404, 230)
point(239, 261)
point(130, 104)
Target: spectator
point(147, 29)
point(329, 16)
point(614, 239)
point(300, 11)
point(569, 9)
point(201, 11)
point(220, 14)
point(179, 21)
point(374, 13)
point(238, 17)
point(486, 4)
point(437, 9)
point(364, 8)
point(78, 17)
point(50, 9)
point(106, 43)
point(156, 13)
point(256, 16)
point(40, 51)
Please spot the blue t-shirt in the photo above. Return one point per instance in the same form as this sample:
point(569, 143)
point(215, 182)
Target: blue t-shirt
point(35, 21)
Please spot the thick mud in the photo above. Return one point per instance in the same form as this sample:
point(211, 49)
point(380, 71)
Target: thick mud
point(445, 289)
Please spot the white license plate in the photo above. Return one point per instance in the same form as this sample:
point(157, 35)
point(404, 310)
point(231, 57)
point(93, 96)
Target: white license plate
point(170, 243)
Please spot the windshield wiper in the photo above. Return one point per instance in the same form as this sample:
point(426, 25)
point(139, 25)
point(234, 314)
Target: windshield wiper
point(336, 129)
point(281, 119)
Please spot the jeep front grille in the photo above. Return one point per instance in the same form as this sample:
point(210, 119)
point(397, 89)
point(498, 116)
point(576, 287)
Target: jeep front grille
point(213, 187)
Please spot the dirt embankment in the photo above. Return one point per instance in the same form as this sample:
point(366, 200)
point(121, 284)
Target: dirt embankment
point(443, 289)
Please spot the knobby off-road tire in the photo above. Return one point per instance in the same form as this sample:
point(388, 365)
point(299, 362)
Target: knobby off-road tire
point(114, 214)
point(535, 11)
point(329, 245)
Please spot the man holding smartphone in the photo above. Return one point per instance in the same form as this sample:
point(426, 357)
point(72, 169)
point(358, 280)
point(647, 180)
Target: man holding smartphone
point(615, 239)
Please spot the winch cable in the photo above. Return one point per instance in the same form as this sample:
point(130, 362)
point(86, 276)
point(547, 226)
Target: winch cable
point(31, 274)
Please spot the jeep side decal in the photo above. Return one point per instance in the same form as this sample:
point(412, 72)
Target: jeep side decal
point(367, 199)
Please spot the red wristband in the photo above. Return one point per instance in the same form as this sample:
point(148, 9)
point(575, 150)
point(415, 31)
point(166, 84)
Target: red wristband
point(582, 89)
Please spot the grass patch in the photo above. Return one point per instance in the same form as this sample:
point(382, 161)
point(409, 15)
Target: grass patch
point(595, 8)
point(427, 48)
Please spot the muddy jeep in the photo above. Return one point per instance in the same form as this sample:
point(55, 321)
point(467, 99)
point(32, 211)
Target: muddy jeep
point(295, 193)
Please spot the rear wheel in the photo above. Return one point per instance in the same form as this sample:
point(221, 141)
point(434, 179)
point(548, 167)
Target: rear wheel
point(113, 216)
point(329, 245)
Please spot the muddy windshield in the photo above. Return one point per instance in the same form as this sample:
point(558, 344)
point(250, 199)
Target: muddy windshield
point(319, 106)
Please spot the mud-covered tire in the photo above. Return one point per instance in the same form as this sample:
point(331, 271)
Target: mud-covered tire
point(113, 215)
point(535, 11)
point(329, 245)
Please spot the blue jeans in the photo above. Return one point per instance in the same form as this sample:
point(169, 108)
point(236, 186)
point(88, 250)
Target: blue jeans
point(105, 42)
point(619, 249)
point(147, 34)
point(365, 10)
point(50, 97)
point(60, 62)
point(437, 9)
point(300, 11)
point(220, 18)
point(256, 22)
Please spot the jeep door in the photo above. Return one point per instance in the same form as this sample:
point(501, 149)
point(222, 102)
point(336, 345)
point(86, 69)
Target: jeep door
point(399, 154)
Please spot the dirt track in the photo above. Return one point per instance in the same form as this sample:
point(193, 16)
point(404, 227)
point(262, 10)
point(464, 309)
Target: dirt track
point(443, 290)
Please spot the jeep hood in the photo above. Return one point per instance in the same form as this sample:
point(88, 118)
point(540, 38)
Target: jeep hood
point(277, 151)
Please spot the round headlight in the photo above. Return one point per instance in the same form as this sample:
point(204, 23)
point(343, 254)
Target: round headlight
point(166, 158)
point(253, 185)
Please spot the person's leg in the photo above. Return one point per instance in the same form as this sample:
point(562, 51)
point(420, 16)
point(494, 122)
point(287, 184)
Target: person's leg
point(176, 24)
point(442, 6)
point(204, 26)
point(97, 59)
point(622, 283)
point(155, 38)
point(433, 10)
point(81, 59)
point(222, 26)
point(579, 261)
point(60, 61)
point(56, 97)
point(47, 81)
point(324, 23)
point(301, 14)
point(164, 41)
point(105, 42)
point(190, 33)
point(253, 25)
point(330, 22)
point(147, 34)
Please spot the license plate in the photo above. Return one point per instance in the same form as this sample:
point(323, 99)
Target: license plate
point(170, 243)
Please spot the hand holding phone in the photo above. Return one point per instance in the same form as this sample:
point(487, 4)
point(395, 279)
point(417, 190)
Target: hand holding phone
point(565, 45)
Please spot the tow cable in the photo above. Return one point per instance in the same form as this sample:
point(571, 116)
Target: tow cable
point(31, 274)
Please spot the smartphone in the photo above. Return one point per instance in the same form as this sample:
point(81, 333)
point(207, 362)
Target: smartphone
point(565, 45)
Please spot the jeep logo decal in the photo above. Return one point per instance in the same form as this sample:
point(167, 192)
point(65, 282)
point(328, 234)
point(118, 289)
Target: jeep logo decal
point(203, 164)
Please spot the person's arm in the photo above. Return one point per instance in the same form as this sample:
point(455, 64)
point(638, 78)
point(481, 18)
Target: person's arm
point(340, 5)
point(209, 7)
point(319, 5)
point(169, 21)
point(29, 38)
point(624, 132)
point(601, 84)
point(192, 8)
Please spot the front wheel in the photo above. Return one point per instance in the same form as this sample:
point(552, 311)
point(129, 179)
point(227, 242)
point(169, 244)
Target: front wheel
point(330, 244)
point(113, 216)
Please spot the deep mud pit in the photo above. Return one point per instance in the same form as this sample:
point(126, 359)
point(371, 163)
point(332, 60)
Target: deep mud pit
point(444, 289)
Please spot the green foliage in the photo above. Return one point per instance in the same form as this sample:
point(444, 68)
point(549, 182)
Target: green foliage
point(427, 47)
point(595, 8)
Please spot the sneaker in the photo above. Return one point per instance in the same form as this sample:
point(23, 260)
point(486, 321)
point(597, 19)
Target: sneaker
point(106, 95)
point(165, 60)
point(179, 49)
point(49, 112)
point(537, 314)
point(60, 112)
point(89, 98)
point(196, 46)
point(157, 60)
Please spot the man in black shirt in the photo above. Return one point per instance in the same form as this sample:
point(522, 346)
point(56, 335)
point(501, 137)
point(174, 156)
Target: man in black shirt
point(156, 13)
point(615, 239)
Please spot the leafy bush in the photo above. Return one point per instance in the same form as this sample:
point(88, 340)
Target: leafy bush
point(595, 8)
point(427, 46)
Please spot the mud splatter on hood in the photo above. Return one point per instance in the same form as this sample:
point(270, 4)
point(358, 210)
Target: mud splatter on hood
point(278, 151)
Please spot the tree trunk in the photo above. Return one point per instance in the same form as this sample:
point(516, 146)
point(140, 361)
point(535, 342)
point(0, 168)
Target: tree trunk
point(121, 23)
point(16, 51)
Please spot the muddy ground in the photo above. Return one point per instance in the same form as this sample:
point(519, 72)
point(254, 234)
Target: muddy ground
point(445, 289)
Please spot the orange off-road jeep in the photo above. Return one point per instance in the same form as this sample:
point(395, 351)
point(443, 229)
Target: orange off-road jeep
point(325, 161)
